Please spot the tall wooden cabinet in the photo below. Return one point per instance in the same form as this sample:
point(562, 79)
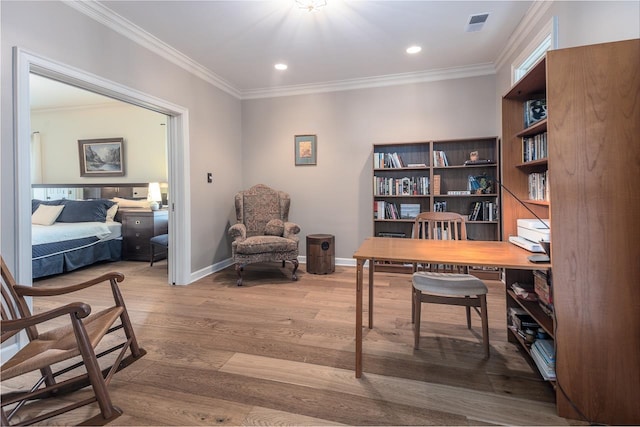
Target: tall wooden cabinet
point(593, 163)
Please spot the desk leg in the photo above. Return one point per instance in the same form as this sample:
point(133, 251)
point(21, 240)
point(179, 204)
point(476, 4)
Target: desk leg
point(360, 264)
point(371, 271)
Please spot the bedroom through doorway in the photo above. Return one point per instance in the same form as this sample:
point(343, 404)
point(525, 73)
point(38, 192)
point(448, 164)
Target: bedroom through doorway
point(70, 124)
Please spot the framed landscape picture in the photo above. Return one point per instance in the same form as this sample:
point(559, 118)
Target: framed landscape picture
point(101, 157)
point(305, 149)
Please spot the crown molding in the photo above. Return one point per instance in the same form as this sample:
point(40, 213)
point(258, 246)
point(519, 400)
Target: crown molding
point(121, 25)
point(372, 82)
point(108, 104)
point(533, 16)
point(117, 23)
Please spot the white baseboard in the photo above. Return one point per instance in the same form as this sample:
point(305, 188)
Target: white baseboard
point(214, 268)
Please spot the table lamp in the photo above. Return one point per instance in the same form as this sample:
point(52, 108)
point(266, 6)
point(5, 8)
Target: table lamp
point(154, 196)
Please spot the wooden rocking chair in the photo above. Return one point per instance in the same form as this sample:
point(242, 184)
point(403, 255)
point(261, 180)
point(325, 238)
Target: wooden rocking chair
point(79, 337)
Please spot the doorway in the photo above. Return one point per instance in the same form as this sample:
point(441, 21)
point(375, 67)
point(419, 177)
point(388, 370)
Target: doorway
point(177, 133)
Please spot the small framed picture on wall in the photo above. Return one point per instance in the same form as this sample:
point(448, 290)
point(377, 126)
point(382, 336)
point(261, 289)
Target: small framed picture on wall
point(101, 157)
point(306, 150)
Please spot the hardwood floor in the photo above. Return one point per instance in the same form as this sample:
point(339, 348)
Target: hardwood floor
point(277, 352)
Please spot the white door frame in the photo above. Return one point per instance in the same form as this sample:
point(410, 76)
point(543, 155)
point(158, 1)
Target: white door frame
point(26, 62)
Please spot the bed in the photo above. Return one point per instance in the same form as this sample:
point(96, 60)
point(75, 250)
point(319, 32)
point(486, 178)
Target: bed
point(70, 234)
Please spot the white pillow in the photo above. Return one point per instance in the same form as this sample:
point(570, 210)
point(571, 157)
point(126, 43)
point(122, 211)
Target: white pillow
point(111, 213)
point(127, 203)
point(46, 214)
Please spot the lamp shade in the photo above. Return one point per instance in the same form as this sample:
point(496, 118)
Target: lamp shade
point(154, 195)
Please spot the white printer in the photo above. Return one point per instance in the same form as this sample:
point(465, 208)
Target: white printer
point(530, 233)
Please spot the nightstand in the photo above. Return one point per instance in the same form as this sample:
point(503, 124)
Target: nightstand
point(138, 226)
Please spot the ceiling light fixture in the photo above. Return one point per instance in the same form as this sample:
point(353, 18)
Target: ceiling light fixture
point(413, 49)
point(311, 5)
point(280, 67)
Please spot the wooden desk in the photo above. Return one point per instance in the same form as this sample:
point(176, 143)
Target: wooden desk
point(456, 252)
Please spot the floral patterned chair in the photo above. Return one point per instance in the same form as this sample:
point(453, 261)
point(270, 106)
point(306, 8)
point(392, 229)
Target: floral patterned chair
point(263, 232)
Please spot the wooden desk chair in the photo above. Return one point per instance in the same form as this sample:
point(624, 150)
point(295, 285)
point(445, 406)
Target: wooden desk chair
point(454, 286)
point(48, 351)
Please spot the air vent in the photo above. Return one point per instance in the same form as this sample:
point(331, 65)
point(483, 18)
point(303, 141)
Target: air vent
point(476, 22)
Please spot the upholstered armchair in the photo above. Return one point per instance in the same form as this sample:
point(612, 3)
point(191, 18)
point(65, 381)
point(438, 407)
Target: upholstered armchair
point(263, 232)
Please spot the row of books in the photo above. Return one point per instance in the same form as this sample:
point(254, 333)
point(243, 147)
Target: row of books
point(535, 147)
point(543, 288)
point(407, 186)
point(483, 211)
point(440, 206)
point(542, 349)
point(393, 160)
point(539, 186)
point(480, 211)
point(544, 355)
point(386, 210)
point(387, 160)
point(440, 159)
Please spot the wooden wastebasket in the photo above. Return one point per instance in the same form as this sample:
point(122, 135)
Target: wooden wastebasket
point(321, 254)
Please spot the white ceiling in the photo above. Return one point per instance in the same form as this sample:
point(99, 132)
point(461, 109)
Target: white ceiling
point(240, 41)
point(346, 42)
point(45, 93)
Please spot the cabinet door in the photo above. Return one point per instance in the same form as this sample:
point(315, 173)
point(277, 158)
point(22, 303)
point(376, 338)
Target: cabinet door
point(137, 230)
point(594, 112)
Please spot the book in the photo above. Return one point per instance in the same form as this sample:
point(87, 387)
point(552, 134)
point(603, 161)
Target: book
point(436, 185)
point(547, 372)
point(546, 350)
point(440, 158)
point(380, 209)
point(474, 211)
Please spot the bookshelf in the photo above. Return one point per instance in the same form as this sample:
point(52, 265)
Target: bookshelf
point(419, 164)
point(593, 211)
point(520, 161)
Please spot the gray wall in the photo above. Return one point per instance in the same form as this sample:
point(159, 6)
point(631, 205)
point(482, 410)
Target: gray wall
point(60, 33)
point(336, 195)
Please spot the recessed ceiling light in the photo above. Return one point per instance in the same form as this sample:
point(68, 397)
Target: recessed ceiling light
point(281, 67)
point(413, 49)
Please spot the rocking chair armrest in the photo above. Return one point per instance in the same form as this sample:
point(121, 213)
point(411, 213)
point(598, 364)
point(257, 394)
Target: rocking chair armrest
point(61, 290)
point(80, 309)
point(290, 230)
point(238, 232)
